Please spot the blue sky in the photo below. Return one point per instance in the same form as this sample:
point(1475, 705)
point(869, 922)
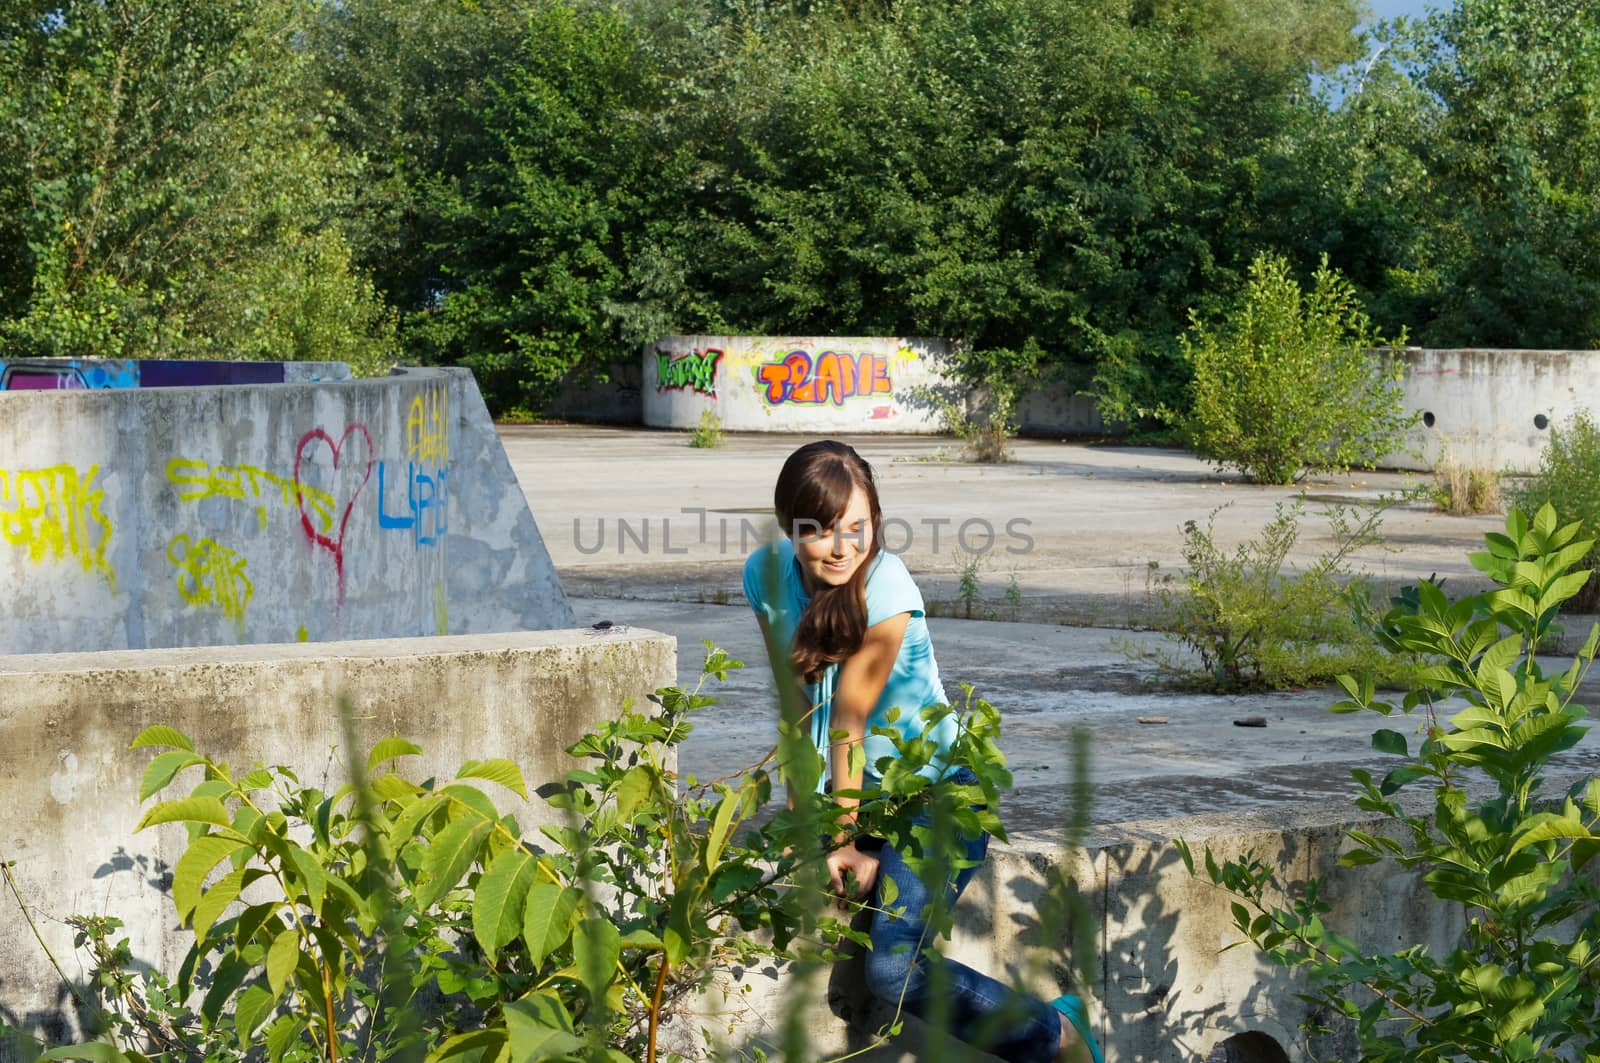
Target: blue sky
point(1394, 8)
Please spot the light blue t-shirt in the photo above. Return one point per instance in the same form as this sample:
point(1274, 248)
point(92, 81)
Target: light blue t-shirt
point(913, 682)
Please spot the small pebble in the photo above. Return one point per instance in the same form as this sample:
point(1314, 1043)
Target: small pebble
point(1250, 721)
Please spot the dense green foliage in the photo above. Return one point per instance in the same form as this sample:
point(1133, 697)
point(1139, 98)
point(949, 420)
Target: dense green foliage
point(532, 187)
point(1518, 982)
point(168, 188)
point(1288, 382)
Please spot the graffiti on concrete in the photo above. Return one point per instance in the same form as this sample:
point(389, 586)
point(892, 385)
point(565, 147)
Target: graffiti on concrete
point(67, 374)
point(55, 514)
point(199, 480)
point(696, 371)
point(210, 574)
point(830, 377)
point(424, 512)
point(428, 428)
point(350, 469)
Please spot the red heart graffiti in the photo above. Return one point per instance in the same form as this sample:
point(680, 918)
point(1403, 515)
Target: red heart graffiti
point(335, 546)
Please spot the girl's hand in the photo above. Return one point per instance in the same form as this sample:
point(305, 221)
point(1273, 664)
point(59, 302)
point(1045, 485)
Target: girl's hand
point(849, 859)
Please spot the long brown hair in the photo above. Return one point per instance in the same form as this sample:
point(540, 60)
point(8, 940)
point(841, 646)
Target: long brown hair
point(813, 492)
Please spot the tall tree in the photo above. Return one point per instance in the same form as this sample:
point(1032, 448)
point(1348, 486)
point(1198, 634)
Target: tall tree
point(168, 188)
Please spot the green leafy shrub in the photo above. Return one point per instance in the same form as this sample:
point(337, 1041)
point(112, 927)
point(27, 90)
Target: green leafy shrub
point(1290, 381)
point(1255, 625)
point(708, 433)
point(1519, 984)
point(1569, 479)
point(396, 918)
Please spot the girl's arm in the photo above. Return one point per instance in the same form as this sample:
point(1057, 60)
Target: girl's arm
point(862, 678)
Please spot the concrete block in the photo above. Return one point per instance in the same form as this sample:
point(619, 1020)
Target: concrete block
point(314, 510)
point(72, 785)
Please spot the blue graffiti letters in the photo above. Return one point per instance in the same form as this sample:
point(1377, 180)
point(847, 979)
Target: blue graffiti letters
point(426, 511)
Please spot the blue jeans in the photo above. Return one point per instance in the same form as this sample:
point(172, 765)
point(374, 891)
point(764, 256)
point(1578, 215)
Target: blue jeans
point(981, 1011)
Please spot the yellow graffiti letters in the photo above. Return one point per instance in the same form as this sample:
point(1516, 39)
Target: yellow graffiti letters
point(55, 513)
point(211, 574)
point(428, 428)
point(197, 480)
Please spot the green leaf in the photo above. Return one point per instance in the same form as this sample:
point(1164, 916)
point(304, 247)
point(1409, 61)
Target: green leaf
point(539, 1029)
point(640, 938)
point(736, 877)
point(631, 791)
point(98, 1051)
point(449, 855)
point(1499, 656)
point(499, 771)
point(282, 957)
point(1551, 827)
point(720, 825)
point(479, 1046)
point(281, 1034)
point(250, 1010)
point(388, 749)
point(498, 903)
point(1359, 858)
point(313, 879)
point(547, 919)
point(195, 864)
point(161, 770)
point(187, 810)
point(162, 736)
point(217, 899)
point(1386, 741)
point(410, 819)
point(596, 947)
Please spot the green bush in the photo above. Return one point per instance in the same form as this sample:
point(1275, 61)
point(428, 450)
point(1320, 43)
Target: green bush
point(1519, 983)
point(707, 435)
point(1253, 624)
point(1569, 479)
point(1289, 382)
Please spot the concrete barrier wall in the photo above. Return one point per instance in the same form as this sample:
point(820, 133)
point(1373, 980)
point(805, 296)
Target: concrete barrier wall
point(262, 513)
point(72, 785)
point(1492, 408)
point(1164, 990)
point(796, 383)
point(1480, 407)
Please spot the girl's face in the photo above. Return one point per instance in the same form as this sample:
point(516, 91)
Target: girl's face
point(830, 556)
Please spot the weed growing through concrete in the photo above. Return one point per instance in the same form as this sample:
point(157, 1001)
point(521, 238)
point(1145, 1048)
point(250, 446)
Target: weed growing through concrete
point(970, 587)
point(1249, 623)
point(708, 433)
point(1460, 489)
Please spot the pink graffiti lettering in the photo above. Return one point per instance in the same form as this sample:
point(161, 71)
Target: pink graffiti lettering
point(833, 377)
point(333, 545)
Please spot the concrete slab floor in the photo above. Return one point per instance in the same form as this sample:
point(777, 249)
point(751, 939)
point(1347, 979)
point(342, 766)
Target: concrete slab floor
point(1085, 530)
point(1048, 680)
point(1096, 517)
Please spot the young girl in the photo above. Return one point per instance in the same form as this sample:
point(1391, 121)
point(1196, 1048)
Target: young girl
point(852, 620)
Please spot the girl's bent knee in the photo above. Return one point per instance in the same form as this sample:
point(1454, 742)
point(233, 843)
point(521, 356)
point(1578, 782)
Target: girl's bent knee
point(892, 975)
